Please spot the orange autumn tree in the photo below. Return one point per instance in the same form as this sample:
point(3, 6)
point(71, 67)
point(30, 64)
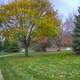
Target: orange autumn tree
point(36, 17)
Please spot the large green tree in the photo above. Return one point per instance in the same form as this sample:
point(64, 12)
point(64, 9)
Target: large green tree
point(76, 35)
point(36, 17)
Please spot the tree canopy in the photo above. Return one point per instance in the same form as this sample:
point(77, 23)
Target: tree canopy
point(36, 17)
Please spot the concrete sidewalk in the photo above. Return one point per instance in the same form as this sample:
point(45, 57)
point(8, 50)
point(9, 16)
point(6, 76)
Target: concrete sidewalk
point(1, 76)
point(7, 55)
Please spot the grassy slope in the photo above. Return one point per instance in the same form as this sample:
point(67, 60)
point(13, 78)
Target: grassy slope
point(65, 66)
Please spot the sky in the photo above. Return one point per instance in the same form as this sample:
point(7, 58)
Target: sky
point(3, 1)
point(64, 7)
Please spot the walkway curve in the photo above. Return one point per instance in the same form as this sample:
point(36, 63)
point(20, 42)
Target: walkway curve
point(1, 76)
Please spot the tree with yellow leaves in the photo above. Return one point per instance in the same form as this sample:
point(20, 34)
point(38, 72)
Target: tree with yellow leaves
point(36, 17)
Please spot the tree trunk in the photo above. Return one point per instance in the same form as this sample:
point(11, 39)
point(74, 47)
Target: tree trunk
point(26, 52)
point(27, 42)
point(27, 46)
point(59, 48)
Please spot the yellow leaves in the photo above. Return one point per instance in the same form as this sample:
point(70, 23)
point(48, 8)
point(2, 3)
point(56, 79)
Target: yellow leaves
point(25, 4)
point(21, 30)
point(48, 25)
point(9, 34)
point(10, 6)
point(32, 10)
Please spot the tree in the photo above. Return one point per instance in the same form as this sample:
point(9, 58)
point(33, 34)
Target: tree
point(10, 43)
point(1, 43)
point(36, 17)
point(76, 35)
point(69, 24)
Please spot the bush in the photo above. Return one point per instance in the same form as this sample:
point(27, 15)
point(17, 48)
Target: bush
point(13, 47)
point(41, 46)
point(1, 46)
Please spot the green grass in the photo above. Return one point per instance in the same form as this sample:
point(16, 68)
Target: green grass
point(64, 66)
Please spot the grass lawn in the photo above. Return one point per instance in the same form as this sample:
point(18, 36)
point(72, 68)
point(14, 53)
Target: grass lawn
point(64, 66)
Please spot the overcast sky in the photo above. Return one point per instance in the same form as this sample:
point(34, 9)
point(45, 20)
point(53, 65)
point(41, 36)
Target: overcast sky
point(64, 7)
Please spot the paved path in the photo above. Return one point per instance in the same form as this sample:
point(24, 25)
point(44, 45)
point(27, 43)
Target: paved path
point(14, 54)
point(1, 76)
